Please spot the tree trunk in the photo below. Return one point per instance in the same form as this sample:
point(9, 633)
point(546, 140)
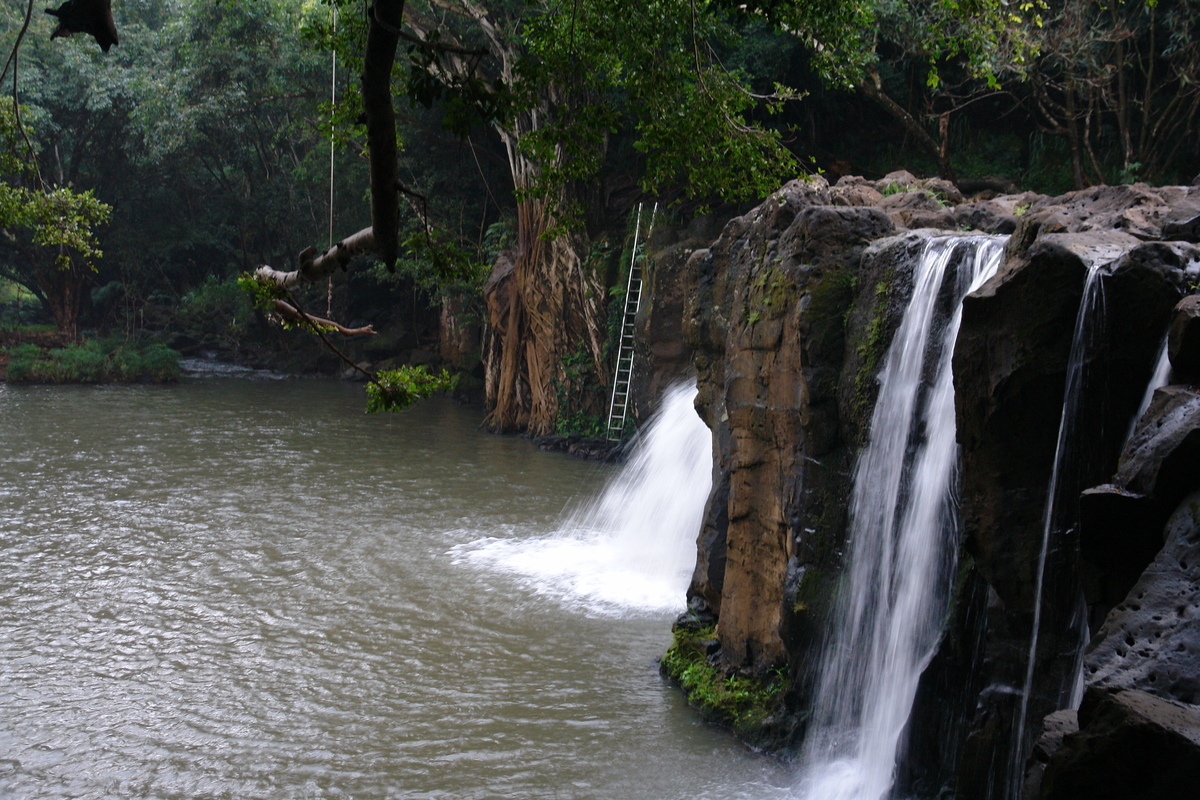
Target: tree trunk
point(872, 87)
point(544, 310)
point(63, 290)
point(548, 307)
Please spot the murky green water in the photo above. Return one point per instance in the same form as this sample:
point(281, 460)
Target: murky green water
point(246, 589)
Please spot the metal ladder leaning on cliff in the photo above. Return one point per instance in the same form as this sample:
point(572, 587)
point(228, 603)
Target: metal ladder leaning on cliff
point(618, 408)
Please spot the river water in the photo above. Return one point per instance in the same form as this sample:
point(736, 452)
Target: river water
point(244, 589)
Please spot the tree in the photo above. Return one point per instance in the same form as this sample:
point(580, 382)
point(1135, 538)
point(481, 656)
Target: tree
point(48, 226)
point(553, 80)
point(1120, 82)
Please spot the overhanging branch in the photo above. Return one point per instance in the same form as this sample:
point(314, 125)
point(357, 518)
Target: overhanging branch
point(313, 267)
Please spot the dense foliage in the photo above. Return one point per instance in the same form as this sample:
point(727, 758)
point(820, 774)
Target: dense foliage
point(219, 135)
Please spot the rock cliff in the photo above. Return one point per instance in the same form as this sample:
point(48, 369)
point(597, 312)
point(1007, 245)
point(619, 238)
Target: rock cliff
point(786, 316)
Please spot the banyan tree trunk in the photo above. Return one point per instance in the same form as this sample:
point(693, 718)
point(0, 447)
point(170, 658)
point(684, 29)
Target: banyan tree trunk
point(546, 308)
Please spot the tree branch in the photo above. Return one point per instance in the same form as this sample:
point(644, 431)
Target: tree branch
point(313, 267)
point(295, 315)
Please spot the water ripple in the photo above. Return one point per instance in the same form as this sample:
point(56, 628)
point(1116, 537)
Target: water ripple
point(242, 589)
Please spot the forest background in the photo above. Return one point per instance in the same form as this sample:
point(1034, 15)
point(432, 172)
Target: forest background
point(219, 135)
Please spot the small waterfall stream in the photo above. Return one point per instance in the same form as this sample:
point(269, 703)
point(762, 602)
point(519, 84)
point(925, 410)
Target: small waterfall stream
point(633, 547)
point(1158, 379)
point(902, 538)
point(1088, 323)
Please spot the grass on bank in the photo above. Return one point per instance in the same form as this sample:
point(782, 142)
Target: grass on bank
point(111, 360)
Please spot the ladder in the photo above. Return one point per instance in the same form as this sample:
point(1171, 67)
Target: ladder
point(618, 408)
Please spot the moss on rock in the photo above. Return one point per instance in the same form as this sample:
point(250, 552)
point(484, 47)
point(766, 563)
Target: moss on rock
point(743, 703)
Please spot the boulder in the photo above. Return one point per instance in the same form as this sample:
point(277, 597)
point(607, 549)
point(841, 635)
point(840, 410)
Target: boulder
point(900, 180)
point(1130, 746)
point(1055, 729)
point(1183, 341)
point(1182, 222)
point(854, 191)
point(909, 203)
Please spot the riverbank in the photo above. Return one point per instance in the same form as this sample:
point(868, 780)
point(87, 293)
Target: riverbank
point(42, 357)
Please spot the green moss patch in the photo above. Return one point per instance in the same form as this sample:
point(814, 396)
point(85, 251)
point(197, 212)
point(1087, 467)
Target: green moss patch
point(737, 701)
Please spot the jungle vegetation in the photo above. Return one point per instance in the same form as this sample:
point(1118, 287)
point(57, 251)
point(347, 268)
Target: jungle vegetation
point(220, 136)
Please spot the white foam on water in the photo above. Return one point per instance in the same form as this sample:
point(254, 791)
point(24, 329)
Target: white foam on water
point(633, 547)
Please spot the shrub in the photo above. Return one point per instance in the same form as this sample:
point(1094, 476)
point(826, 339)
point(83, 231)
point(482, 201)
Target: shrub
point(93, 361)
point(742, 703)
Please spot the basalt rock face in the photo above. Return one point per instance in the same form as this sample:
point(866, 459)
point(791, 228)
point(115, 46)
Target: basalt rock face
point(1130, 745)
point(1138, 732)
point(764, 319)
point(662, 357)
point(1011, 365)
point(786, 316)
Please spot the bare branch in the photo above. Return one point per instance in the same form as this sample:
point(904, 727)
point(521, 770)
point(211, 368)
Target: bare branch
point(292, 314)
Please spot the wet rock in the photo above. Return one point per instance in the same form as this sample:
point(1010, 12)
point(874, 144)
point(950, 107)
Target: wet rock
point(1163, 455)
point(662, 355)
point(1119, 535)
point(1183, 342)
point(1010, 369)
point(1010, 366)
point(1055, 728)
point(584, 447)
point(1130, 746)
point(1151, 642)
point(786, 314)
point(764, 315)
point(854, 191)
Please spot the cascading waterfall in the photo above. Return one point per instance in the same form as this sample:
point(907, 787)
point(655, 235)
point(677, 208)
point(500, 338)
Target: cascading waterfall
point(633, 547)
point(902, 539)
point(1088, 322)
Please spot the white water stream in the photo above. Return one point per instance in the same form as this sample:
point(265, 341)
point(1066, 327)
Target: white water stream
point(902, 539)
point(634, 547)
point(1091, 309)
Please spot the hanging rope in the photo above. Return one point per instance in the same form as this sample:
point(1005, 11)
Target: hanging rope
point(332, 109)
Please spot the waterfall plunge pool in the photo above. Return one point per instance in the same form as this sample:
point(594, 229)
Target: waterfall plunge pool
point(251, 589)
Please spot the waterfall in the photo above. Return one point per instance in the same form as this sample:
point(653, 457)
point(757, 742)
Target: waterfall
point(1158, 379)
point(902, 539)
point(1091, 308)
point(633, 547)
